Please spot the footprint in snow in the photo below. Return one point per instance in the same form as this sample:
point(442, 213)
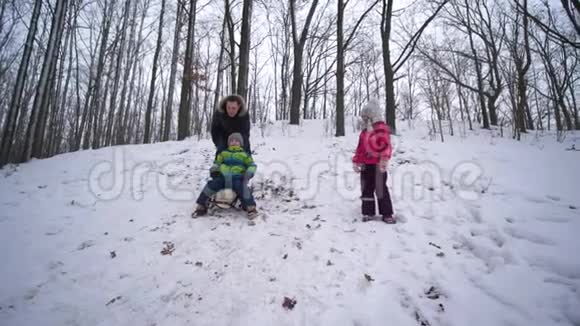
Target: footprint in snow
point(401, 218)
point(491, 234)
point(475, 215)
point(554, 219)
point(85, 245)
point(521, 234)
point(537, 200)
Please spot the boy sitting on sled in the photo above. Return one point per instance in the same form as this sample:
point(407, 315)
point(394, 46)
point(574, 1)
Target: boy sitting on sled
point(232, 169)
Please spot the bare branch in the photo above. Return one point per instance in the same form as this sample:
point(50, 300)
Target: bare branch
point(410, 47)
point(356, 26)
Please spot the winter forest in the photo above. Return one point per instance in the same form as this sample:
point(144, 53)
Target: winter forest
point(290, 162)
point(80, 74)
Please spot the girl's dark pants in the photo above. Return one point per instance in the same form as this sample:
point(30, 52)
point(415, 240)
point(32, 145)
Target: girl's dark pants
point(373, 181)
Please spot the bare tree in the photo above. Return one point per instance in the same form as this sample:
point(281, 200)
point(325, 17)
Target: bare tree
point(16, 103)
point(35, 131)
point(391, 68)
point(128, 102)
point(152, 89)
point(220, 69)
point(557, 76)
point(299, 39)
point(60, 100)
point(183, 126)
point(319, 46)
point(173, 72)
point(342, 47)
point(245, 48)
point(522, 59)
point(280, 42)
point(550, 29)
point(118, 71)
point(231, 28)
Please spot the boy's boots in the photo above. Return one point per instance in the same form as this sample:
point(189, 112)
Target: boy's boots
point(200, 210)
point(252, 212)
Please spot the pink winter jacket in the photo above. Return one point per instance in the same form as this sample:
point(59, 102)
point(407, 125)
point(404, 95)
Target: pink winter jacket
point(373, 146)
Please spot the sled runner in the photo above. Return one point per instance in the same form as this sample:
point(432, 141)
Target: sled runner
point(225, 198)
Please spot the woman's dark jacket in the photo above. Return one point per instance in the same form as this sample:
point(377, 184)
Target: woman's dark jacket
point(222, 125)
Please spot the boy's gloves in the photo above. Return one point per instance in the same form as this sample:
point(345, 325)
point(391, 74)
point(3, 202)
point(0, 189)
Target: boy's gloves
point(249, 175)
point(357, 167)
point(214, 172)
point(383, 164)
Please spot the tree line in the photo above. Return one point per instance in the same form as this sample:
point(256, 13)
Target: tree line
point(85, 74)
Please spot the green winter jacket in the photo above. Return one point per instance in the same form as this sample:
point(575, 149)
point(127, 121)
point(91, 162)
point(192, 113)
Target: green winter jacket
point(234, 161)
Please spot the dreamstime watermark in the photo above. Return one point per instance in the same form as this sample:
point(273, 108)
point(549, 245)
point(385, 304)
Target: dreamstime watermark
point(175, 180)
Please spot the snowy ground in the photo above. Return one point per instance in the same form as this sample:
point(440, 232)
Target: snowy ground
point(488, 235)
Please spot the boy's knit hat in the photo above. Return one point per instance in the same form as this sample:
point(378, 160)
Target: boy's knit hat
point(238, 136)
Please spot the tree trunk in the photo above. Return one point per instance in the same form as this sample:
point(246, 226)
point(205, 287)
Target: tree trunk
point(195, 99)
point(478, 71)
point(567, 117)
point(33, 142)
point(129, 76)
point(232, 44)
point(296, 90)
point(340, 71)
point(464, 99)
point(183, 124)
point(173, 73)
point(245, 49)
point(299, 43)
point(147, 137)
point(15, 103)
point(389, 87)
point(47, 106)
point(387, 14)
point(98, 135)
point(342, 46)
point(65, 98)
point(216, 94)
point(95, 96)
point(557, 116)
point(118, 72)
point(59, 101)
point(448, 108)
point(324, 92)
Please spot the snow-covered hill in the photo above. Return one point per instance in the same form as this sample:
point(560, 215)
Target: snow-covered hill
point(487, 235)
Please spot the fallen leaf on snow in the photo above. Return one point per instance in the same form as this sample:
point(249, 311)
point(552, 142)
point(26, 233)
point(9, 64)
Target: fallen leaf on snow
point(113, 300)
point(432, 293)
point(434, 245)
point(86, 244)
point(288, 303)
point(168, 249)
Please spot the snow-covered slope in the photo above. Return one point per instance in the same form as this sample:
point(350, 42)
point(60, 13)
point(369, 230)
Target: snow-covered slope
point(487, 235)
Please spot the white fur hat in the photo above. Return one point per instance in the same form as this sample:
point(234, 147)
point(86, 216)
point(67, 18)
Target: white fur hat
point(373, 110)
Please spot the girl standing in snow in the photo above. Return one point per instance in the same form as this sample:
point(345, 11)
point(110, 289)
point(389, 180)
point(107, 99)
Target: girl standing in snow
point(371, 160)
